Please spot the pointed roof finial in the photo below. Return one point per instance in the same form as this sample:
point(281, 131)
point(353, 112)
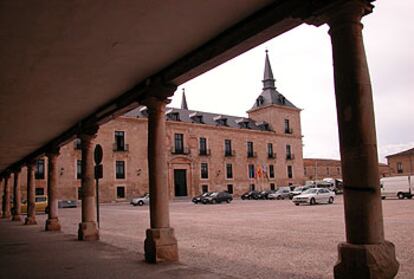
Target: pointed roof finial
point(184, 101)
point(268, 80)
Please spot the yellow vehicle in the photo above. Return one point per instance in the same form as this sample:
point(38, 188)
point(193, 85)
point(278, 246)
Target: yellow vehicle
point(40, 205)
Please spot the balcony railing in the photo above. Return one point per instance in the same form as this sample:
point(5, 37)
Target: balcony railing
point(289, 131)
point(204, 152)
point(290, 156)
point(180, 151)
point(251, 154)
point(120, 148)
point(229, 153)
point(271, 155)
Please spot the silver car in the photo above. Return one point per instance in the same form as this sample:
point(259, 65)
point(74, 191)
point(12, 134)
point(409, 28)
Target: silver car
point(282, 193)
point(313, 196)
point(141, 200)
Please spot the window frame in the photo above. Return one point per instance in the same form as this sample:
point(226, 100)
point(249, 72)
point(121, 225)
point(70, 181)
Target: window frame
point(118, 164)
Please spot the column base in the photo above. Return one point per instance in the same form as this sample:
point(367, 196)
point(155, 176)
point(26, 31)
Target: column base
point(161, 246)
point(16, 218)
point(6, 215)
point(88, 231)
point(30, 220)
point(366, 261)
point(52, 225)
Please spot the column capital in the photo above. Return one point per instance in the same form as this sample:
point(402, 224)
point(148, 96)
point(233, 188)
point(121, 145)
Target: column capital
point(88, 133)
point(348, 12)
point(53, 151)
point(31, 163)
point(155, 104)
point(16, 170)
point(157, 90)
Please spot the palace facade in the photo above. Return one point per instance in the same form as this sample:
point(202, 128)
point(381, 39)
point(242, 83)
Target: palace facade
point(207, 151)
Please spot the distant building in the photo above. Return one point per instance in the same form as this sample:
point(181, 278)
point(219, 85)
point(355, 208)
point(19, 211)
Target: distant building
point(317, 169)
point(402, 163)
point(207, 151)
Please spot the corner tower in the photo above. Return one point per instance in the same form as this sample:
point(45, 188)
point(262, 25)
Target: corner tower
point(273, 108)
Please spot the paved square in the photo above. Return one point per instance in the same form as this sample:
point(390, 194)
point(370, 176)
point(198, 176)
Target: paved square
point(253, 239)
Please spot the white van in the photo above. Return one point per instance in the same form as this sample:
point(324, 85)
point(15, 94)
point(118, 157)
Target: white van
point(397, 186)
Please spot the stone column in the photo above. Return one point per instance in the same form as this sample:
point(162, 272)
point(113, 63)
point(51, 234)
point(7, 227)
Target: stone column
point(365, 254)
point(6, 201)
point(52, 223)
point(160, 242)
point(88, 229)
point(31, 209)
point(16, 196)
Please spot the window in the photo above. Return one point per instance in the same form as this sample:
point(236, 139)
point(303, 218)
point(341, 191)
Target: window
point(288, 152)
point(304, 171)
point(229, 171)
point(40, 169)
point(79, 193)
point(203, 146)
point(400, 167)
point(120, 169)
point(250, 152)
point(270, 153)
point(79, 169)
point(338, 170)
point(230, 188)
point(119, 141)
point(204, 170)
point(39, 191)
point(179, 143)
point(77, 143)
point(251, 171)
point(290, 171)
point(327, 171)
point(227, 148)
point(252, 187)
point(204, 188)
point(272, 186)
point(288, 130)
point(120, 192)
point(271, 171)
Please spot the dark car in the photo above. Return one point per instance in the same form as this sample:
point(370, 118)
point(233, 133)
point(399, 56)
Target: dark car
point(217, 197)
point(251, 195)
point(198, 198)
point(264, 195)
point(67, 203)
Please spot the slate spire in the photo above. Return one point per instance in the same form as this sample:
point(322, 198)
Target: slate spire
point(268, 80)
point(184, 101)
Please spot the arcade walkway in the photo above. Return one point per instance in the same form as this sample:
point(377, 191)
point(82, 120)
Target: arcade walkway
point(30, 252)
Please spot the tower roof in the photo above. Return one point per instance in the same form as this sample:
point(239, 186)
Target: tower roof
point(184, 101)
point(269, 94)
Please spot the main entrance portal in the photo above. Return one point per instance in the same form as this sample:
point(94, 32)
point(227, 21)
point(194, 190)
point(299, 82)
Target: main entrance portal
point(180, 183)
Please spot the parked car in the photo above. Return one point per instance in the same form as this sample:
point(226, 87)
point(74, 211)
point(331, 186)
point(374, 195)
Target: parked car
point(140, 200)
point(251, 195)
point(40, 205)
point(217, 197)
point(264, 195)
point(198, 198)
point(280, 194)
point(313, 196)
point(299, 190)
point(67, 203)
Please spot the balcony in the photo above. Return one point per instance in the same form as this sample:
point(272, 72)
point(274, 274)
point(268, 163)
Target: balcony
point(204, 152)
point(271, 155)
point(120, 148)
point(290, 156)
point(229, 153)
point(180, 151)
point(251, 154)
point(289, 131)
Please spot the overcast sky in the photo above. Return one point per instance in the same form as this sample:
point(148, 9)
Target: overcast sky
point(302, 66)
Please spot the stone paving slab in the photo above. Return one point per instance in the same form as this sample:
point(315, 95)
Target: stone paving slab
point(30, 252)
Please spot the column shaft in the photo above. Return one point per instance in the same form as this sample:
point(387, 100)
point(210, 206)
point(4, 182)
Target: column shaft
point(160, 242)
point(7, 201)
point(88, 229)
point(16, 197)
point(31, 209)
point(365, 254)
point(52, 223)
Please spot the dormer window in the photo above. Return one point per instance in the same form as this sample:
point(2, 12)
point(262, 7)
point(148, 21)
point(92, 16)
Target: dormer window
point(197, 117)
point(259, 101)
point(220, 120)
point(144, 111)
point(282, 99)
point(264, 126)
point(173, 115)
point(243, 123)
